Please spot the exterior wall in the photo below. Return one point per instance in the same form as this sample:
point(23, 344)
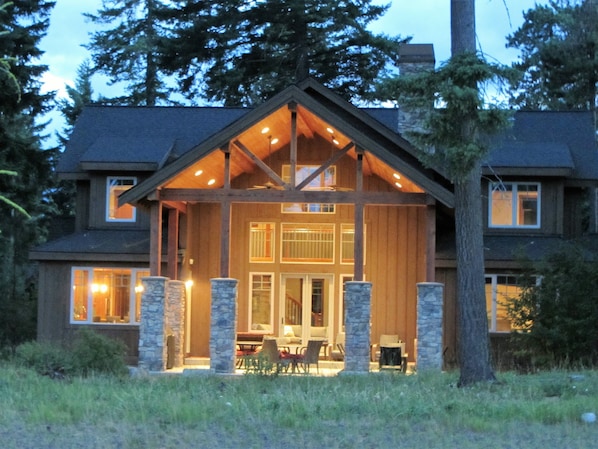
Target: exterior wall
point(53, 306)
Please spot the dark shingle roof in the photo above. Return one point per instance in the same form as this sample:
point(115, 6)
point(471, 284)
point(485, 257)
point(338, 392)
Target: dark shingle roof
point(549, 140)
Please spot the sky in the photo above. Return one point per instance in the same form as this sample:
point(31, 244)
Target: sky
point(426, 21)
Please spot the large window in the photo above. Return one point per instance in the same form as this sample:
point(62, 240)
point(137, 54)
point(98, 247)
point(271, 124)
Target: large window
point(261, 242)
point(324, 180)
point(514, 205)
point(307, 243)
point(261, 300)
point(116, 186)
point(106, 295)
point(500, 290)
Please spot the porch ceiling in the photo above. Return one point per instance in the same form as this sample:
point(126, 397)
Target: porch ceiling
point(270, 135)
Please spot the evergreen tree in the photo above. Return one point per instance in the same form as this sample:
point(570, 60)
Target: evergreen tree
point(129, 51)
point(22, 25)
point(559, 56)
point(242, 52)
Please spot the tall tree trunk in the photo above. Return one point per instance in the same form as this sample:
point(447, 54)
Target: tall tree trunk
point(473, 341)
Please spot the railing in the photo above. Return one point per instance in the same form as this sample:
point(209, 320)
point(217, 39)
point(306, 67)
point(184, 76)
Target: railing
point(293, 310)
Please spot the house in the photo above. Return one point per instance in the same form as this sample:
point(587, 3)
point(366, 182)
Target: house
point(293, 199)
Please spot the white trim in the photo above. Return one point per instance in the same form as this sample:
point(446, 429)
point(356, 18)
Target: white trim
point(250, 294)
point(514, 204)
point(109, 180)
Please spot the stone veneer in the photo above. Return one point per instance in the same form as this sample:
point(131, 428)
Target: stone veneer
point(162, 315)
point(429, 326)
point(223, 326)
point(358, 298)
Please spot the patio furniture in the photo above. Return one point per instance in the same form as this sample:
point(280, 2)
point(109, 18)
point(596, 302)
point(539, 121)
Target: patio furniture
point(308, 355)
point(337, 351)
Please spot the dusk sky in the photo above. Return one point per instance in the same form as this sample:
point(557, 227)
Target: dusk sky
point(427, 21)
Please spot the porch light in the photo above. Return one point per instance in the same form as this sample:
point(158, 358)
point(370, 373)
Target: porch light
point(198, 172)
point(211, 182)
point(139, 289)
point(189, 283)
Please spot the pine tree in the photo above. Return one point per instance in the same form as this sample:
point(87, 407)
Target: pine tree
point(22, 25)
point(241, 52)
point(129, 51)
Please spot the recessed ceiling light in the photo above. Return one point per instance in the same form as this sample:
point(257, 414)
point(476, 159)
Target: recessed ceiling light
point(274, 141)
point(330, 130)
point(198, 172)
point(211, 182)
point(396, 176)
point(399, 185)
point(265, 130)
point(336, 142)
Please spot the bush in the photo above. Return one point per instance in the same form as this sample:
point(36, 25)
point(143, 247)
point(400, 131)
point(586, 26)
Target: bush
point(90, 353)
point(559, 315)
point(44, 358)
point(95, 353)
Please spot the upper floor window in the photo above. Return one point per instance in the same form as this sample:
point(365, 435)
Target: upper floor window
point(513, 204)
point(106, 295)
point(261, 242)
point(115, 186)
point(325, 180)
point(307, 243)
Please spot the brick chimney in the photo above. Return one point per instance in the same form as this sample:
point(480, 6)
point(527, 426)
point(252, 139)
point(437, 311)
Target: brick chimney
point(414, 59)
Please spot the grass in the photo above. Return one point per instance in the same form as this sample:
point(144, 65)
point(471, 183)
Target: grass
point(371, 411)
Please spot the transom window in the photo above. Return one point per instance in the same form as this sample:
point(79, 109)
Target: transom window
point(324, 180)
point(115, 186)
point(514, 205)
point(106, 295)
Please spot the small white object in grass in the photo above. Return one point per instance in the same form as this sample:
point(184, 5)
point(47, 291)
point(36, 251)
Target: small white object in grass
point(230, 405)
point(588, 417)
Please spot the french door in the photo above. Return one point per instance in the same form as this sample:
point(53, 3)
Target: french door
point(306, 305)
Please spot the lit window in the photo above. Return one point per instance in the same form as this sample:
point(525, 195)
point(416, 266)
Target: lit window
point(324, 180)
point(116, 186)
point(308, 243)
point(500, 290)
point(106, 295)
point(348, 243)
point(514, 205)
point(261, 242)
point(261, 301)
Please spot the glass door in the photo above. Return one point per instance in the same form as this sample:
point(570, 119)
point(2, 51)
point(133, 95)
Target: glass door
point(306, 306)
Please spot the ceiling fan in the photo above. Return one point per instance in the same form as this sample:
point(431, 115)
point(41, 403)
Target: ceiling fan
point(269, 185)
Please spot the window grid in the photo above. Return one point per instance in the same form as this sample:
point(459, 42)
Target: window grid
point(514, 205)
point(115, 186)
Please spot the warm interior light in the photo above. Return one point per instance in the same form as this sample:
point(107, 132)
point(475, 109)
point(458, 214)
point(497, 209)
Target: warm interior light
point(396, 176)
point(189, 283)
point(265, 130)
point(198, 172)
point(274, 141)
point(211, 182)
point(138, 288)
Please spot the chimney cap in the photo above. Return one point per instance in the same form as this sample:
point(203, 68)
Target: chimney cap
point(416, 53)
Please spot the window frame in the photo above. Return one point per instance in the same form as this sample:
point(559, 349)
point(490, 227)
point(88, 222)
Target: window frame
point(271, 241)
point(135, 293)
point(492, 187)
point(250, 290)
point(111, 200)
point(332, 232)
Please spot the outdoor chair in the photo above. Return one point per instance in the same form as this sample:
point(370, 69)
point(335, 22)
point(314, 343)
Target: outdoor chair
point(309, 355)
point(337, 351)
point(271, 354)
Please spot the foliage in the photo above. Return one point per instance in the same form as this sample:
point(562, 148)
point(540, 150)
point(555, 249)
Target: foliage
point(445, 99)
point(90, 353)
point(558, 316)
point(558, 42)
point(240, 52)
point(23, 23)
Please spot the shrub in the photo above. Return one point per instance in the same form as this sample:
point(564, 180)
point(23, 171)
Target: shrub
point(44, 358)
point(559, 315)
point(95, 353)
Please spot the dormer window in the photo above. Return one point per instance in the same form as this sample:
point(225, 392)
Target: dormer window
point(514, 205)
point(115, 186)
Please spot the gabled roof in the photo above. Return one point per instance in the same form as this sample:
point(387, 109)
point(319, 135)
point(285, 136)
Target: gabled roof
point(357, 125)
point(543, 143)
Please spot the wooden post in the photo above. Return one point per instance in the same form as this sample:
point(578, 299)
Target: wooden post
point(155, 238)
point(225, 215)
point(430, 243)
point(173, 243)
point(358, 237)
point(293, 144)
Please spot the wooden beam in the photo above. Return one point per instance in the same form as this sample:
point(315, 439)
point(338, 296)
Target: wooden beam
point(271, 173)
point(293, 145)
point(335, 157)
point(155, 238)
point(225, 215)
point(296, 196)
point(359, 227)
point(226, 152)
point(173, 243)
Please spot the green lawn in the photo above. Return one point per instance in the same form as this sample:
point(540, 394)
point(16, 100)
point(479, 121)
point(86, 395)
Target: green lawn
point(379, 410)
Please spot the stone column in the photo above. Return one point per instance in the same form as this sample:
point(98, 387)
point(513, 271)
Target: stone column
point(175, 319)
point(223, 325)
point(358, 298)
point(152, 338)
point(429, 326)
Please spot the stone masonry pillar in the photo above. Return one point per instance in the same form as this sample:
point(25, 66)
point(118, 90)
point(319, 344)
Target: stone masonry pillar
point(358, 298)
point(152, 338)
point(429, 326)
point(175, 320)
point(223, 325)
